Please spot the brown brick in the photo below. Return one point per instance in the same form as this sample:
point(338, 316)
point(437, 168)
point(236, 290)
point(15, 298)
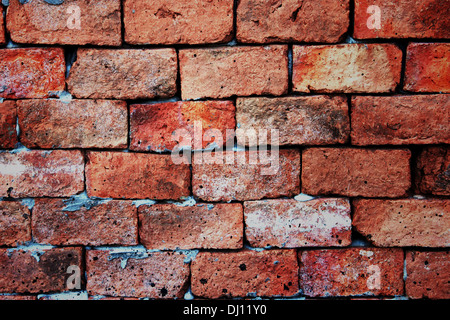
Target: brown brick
point(37, 173)
point(427, 67)
point(79, 221)
point(206, 226)
point(427, 275)
point(433, 171)
point(403, 223)
point(40, 22)
point(312, 120)
point(245, 273)
point(15, 227)
point(31, 72)
point(153, 126)
point(8, 132)
point(348, 68)
point(356, 172)
point(290, 223)
point(178, 21)
point(227, 71)
point(123, 73)
point(136, 274)
point(136, 176)
point(351, 272)
point(2, 27)
point(400, 120)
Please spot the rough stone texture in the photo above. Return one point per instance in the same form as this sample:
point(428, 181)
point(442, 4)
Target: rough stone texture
point(252, 178)
point(356, 172)
point(136, 176)
point(31, 72)
point(76, 124)
point(427, 275)
point(123, 73)
point(37, 271)
point(433, 171)
point(40, 22)
point(403, 223)
point(351, 272)
point(178, 21)
point(228, 71)
point(37, 173)
point(2, 27)
point(400, 120)
point(427, 67)
point(290, 223)
point(404, 19)
point(245, 273)
point(143, 275)
point(15, 228)
point(348, 68)
point(292, 20)
point(152, 126)
point(312, 120)
point(8, 132)
point(202, 226)
point(85, 222)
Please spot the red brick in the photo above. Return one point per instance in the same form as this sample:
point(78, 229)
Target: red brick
point(351, 272)
point(8, 132)
point(75, 124)
point(123, 73)
point(433, 171)
point(227, 71)
point(292, 21)
point(17, 297)
point(136, 274)
point(41, 22)
point(403, 223)
point(312, 120)
point(84, 222)
point(290, 223)
point(348, 68)
point(427, 67)
point(400, 120)
point(37, 270)
point(207, 226)
point(403, 19)
point(15, 227)
point(153, 126)
point(37, 173)
point(136, 176)
point(246, 180)
point(427, 275)
point(178, 21)
point(2, 27)
point(245, 273)
point(31, 72)
point(356, 172)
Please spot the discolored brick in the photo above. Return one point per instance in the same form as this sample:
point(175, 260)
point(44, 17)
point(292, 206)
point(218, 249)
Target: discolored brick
point(2, 27)
point(15, 226)
point(8, 117)
point(433, 171)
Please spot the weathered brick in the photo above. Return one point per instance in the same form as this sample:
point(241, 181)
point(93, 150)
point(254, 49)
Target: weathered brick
point(348, 68)
point(404, 222)
point(178, 21)
point(292, 21)
point(136, 274)
point(8, 132)
point(397, 120)
point(312, 120)
point(427, 275)
point(37, 173)
point(136, 176)
point(31, 72)
point(403, 19)
point(252, 178)
point(15, 227)
point(356, 172)
point(245, 273)
point(152, 126)
point(37, 270)
point(228, 71)
point(89, 222)
point(290, 223)
point(16, 297)
point(351, 272)
point(427, 67)
point(75, 22)
point(123, 73)
point(2, 27)
point(433, 171)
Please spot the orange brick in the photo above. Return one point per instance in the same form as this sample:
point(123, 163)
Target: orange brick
point(8, 132)
point(15, 223)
